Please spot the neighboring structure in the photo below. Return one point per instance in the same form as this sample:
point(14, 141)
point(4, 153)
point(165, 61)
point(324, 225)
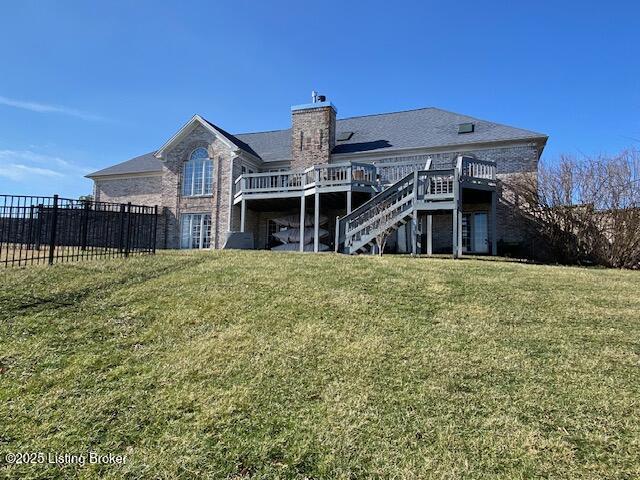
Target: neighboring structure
point(431, 174)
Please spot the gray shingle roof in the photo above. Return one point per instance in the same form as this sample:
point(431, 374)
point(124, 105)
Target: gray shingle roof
point(146, 163)
point(270, 146)
point(233, 139)
point(421, 128)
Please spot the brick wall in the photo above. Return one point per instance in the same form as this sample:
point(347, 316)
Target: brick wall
point(217, 204)
point(137, 190)
point(313, 136)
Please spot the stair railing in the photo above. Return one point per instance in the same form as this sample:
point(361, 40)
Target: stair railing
point(365, 220)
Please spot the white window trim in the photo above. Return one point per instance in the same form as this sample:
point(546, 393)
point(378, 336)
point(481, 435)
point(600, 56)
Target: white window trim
point(205, 163)
point(189, 217)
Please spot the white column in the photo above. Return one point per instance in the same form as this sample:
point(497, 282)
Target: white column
point(459, 243)
point(316, 224)
point(348, 202)
point(494, 221)
point(243, 214)
point(429, 234)
point(459, 206)
point(455, 232)
point(302, 213)
point(414, 234)
point(418, 231)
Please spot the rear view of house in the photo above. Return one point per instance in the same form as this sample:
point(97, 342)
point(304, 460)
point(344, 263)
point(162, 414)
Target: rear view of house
point(431, 177)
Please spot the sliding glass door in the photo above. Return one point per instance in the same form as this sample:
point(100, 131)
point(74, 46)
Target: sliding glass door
point(475, 232)
point(195, 230)
point(480, 233)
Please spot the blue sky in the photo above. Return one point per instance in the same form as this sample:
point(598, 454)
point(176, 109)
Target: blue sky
point(87, 84)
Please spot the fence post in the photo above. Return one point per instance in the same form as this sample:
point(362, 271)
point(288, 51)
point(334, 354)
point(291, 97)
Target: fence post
point(54, 226)
point(121, 236)
point(30, 234)
point(39, 225)
point(155, 228)
point(85, 225)
point(126, 249)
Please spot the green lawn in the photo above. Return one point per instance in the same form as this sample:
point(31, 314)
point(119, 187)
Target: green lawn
point(263, 365)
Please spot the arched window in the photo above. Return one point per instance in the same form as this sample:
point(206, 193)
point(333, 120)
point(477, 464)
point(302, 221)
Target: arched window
point(197, 178)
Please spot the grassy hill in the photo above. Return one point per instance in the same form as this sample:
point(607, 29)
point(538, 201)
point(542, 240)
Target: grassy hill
point(223, 364)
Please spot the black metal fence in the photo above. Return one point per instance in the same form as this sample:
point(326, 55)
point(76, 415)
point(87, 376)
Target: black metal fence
point(37, 230)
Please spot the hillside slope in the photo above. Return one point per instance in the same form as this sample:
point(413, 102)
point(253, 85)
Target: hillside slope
point(222, 364)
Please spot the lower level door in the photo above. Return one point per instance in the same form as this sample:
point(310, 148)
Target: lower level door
point(196, 231)
point(480, 233)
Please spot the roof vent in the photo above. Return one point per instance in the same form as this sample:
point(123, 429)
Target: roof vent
point(466, 127)
point(343, 136)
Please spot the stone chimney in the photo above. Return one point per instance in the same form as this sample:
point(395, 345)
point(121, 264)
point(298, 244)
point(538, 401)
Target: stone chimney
point(314, 133)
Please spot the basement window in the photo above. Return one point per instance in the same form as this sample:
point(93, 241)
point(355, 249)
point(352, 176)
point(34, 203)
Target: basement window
point(466, 127)
point(344, 136)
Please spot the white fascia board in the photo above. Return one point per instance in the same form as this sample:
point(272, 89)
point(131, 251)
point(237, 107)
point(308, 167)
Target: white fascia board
point(196, 119)
point(116, 176)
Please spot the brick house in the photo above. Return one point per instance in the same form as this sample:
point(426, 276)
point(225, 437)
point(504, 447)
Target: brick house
point(432, 179)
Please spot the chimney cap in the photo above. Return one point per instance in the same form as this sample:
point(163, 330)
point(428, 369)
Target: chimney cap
point(311, 106)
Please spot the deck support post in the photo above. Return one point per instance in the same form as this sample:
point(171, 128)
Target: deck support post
point(418, 234)
point(302, 214)
point(429, 234)
point(316, 224)
point(457, 210)
point(243, 214)
point(348, 202)
point(493, 220)
point(454, 239)
point(459, 242)
point(414, 233)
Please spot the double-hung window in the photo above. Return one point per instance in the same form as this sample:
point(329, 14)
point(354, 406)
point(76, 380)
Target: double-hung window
point(197, 177)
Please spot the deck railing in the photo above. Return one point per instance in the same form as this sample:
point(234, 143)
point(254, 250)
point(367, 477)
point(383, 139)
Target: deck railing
point(319, 176)
point(269, 182)
point(435, 184)
point(391, 172)
point(376, 176)
point(479, 172)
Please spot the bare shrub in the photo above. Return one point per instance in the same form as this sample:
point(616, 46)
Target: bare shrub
point(587, 211)
point(385, 228)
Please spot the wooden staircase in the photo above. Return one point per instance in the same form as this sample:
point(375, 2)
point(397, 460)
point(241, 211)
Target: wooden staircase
point(389, 209)
point(419, 190)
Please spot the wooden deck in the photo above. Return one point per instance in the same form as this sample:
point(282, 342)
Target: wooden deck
point(398, 192)
point(327, 178)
